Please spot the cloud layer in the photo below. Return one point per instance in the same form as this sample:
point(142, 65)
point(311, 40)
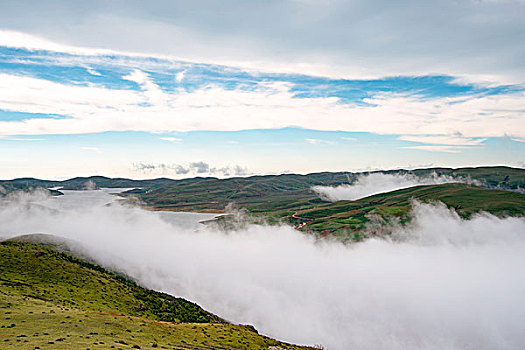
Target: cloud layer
point(90, 109)
point(192, 168)
point(370, 184)
point(338, 38)
point(414, 78)
point(440, 283)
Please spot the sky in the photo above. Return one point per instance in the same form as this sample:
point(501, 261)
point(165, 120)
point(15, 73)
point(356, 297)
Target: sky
point(234, 88)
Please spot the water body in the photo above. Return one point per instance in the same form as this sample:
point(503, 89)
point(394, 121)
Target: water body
point(75, 200)
point(87, 200)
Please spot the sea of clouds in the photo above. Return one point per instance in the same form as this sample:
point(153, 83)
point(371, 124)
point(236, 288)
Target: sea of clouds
point(369, 184)
point(440, 283)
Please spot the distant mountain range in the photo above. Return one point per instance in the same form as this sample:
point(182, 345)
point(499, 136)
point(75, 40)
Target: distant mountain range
point(289, 197)
point(205, 191)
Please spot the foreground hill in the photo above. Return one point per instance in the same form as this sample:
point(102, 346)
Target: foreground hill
point(53, 300)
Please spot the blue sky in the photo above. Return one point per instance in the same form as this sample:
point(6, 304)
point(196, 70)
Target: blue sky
point(74, 104)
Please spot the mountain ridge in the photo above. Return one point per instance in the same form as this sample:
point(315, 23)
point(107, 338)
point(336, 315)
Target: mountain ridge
point(103, 181)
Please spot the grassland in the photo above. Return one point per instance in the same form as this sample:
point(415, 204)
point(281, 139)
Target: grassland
point(351, 217)
point(53, 300)
point(289, 197)
point(251, 192)
point(260, 194)
point(8, 188)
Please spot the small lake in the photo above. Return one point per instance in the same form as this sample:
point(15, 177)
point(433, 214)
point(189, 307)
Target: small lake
point(78, 200)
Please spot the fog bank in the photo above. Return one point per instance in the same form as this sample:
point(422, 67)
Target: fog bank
point(368, 185)
point(440, 283)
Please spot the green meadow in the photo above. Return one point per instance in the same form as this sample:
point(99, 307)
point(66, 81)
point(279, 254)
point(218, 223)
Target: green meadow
point(50, 299)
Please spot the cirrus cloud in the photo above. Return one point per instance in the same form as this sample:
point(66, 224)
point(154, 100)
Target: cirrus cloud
point(476, 39)
point(266, 105)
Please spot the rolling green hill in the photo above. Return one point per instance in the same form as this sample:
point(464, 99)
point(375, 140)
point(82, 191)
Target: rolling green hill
point(289, 197)
point(349, 217)
point(499, 177)
point(52, 300)
point(7, 188)
point(79, 183)
point(250, 192)
point(289, 191)
point(261, 193)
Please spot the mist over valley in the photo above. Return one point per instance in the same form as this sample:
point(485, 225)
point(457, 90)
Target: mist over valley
point(437, 281)
point(262, 175)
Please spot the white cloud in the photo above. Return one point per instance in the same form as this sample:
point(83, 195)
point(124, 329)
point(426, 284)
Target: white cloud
point(445, 149)
point(368, 185)
point(20, 138)
point(318, 141)
point(92, 149)
point(171, 139)
point(267, 106)
point(441, 283)
point(16, 39)
point(153, 93)
point(193, 168)
point(453, 140)
point(180, 76)
point(477, 39)
point(93, 72)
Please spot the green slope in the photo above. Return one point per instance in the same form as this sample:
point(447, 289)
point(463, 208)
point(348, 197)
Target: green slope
point(7, 188)
point(53, 300)
point(261, 193)
point(79, 183)
point(252, 192)
point(352, 216)
point(501, 177)
point(289, 191)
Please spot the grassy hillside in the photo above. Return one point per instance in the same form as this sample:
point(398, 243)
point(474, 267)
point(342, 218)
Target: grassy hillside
point(7, 188)
point(52, 300)
point(499, 177)
point(250, 192)
point(260, 193)
point(351, 216)
point(269, 193)
point(79, 183)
